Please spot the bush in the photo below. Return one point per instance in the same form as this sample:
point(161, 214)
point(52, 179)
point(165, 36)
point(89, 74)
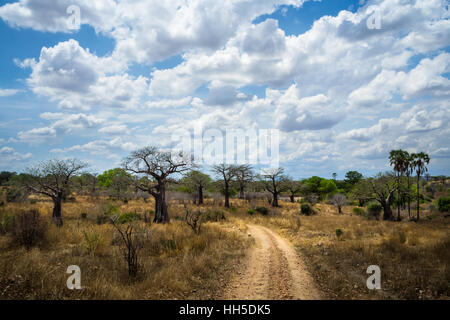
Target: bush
point(443, 204)
point(306, 209)
point(262, 210)
point(15, 195)
point(6, 222)
point(213, 215)
point(128, 217)
point(29, 228)
point(233, 209)
point(102, 218)
point(110, 209)
point(84, 215)
point(339, 233)
point(93, 242)
point(374, 210)
point(251, 211)
point(359, 211)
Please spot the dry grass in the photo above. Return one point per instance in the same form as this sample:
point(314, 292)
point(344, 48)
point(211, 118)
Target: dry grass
point(175, 263)
point(414, 257)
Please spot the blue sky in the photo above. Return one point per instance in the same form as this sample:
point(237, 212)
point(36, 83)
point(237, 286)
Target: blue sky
point(341, 94)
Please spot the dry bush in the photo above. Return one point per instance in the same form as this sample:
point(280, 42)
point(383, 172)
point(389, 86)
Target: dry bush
point(29, 228)
point(193, 218)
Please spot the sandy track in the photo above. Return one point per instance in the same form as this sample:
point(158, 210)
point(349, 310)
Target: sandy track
point(273, 270)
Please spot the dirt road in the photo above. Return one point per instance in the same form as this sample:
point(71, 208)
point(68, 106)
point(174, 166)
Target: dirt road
point(273, 270)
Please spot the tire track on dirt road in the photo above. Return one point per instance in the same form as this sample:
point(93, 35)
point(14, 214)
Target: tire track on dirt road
point(273, 271)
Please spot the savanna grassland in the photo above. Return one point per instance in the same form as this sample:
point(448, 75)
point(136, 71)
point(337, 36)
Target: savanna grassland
point(177, 263)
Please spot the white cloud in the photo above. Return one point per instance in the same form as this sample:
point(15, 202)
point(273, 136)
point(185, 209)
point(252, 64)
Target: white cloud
point(8, 92)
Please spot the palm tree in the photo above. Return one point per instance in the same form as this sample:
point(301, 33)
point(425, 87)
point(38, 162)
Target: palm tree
point(419, 162)
point(399, 159)
point(409, 170)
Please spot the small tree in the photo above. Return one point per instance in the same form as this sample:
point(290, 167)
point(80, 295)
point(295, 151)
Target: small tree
point(51, 178)
point(197, 181)
point(293, 187)
point(339, 200)
point(227, 173)
point(156, 166)
point(118, 180)
point(274, 182)
point(244, 175)
point(131, 245)
point(380, 188)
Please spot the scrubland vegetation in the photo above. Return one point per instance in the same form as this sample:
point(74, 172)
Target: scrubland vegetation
point(160, 229)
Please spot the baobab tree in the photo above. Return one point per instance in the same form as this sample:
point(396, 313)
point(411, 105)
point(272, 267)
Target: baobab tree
point(293, 187)
point(419, 162)
point(155, 166)
point(244, 175)
point(274, 182)
point(227, 173)
point(197, 181)
point(380, 188)
point(52, 178)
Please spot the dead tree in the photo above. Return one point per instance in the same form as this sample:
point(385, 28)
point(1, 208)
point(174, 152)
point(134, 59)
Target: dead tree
point(339, 200)
point(131, 244)
point(52, 178)
point(156, 166)
point(193, 219)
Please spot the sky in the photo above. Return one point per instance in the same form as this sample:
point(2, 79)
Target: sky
point(343, 82)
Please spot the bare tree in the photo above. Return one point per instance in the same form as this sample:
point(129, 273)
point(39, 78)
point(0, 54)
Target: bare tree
point(131, 244)
point(156, 166)
point(339, 200)
point(193, 219)
point(227, 173)
point(293, 187)
point(244, 175)
point(274, 182)
point(52, 178)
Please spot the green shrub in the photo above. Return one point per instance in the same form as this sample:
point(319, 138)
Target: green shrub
point(339, 233)
point(213, 215)
point(233, 209)
point(83, 215)
point(93, 242)
point(359, 211)
point(262, 210)
point(306, 209)
point(15, 195)
point(110, 209)
point(251, 211)
point(128, 217)
point(374, 210)
point(443, 204)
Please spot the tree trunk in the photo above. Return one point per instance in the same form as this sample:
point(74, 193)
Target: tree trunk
point(398, 198)
point(57, 209)
point(161, 213)
point(241, 192)
point(418, 196)
point(409, 198)
point(275, 199)
point(200, 195)
point(292, 197)
point(339, 209)
point(227, 196)
point(387, 211)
